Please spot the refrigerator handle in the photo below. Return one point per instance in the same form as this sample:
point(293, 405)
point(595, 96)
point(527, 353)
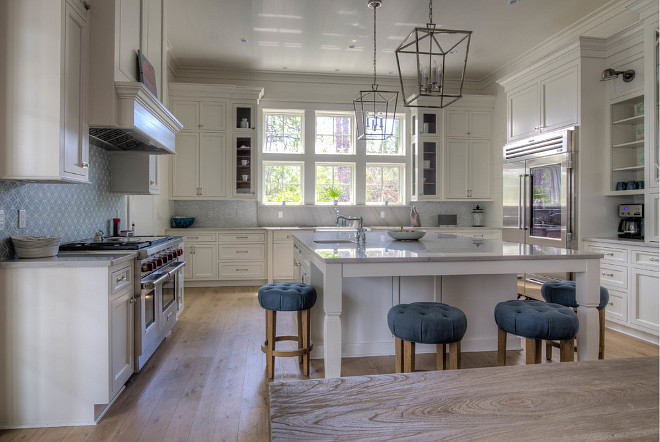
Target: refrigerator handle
point(520, 200)
point(524, 206)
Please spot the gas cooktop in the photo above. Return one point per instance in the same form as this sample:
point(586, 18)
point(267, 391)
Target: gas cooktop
point(117, 243)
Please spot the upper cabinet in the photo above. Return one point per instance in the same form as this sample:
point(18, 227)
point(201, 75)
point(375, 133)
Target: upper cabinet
point(43, 136)
point(548, 102)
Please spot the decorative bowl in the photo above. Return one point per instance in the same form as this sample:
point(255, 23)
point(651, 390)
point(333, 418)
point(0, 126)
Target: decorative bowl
point(36, 246)
point(406, 235)
point(182, 221)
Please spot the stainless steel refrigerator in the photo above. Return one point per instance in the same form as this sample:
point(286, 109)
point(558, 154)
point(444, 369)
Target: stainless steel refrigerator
point(539, 198)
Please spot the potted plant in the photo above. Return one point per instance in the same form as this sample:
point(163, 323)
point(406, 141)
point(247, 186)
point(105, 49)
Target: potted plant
point(333, 193)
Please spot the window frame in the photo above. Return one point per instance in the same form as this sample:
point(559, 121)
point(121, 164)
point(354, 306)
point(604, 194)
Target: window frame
point(402, 141)
point(351, 132)
point(401, 167)
point(267, 163)
point(352, 193)
point(290, 112)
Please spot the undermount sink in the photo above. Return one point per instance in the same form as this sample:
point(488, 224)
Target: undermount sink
point(334, 241)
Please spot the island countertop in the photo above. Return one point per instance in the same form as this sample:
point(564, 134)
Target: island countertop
point(339, 247)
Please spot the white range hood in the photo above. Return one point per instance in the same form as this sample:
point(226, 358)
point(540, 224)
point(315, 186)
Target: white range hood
point(139, 123)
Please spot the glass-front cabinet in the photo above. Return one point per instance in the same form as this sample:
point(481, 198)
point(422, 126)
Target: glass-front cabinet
point(627, 147)
point(243, 151)
point(425, 156)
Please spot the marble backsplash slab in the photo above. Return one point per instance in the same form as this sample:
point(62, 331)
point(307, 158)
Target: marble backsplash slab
point(217, 214)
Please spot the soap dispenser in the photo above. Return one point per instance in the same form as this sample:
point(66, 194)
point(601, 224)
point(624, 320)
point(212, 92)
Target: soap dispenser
point(478, 217)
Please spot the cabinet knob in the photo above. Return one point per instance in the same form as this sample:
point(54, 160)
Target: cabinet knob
point(201, 125)
point(85, 164)
point(467, 133)
point(653, 258)
point(151, 181)
point(611, 275)
point(536, 128)
point(87, 5)
point(610, 303)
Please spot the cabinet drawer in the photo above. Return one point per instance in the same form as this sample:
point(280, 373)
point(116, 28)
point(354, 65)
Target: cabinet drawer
point(231, 270)
point(283, 235)
point(614, 276)
point(617, 307)
point(486, 234)
point(241, 237)
point(249, 252)
point(612, 254)
point(201, 237)
point(120, 279)
point(644, 258)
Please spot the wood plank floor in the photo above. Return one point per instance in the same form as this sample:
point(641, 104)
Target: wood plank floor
point(207, 381)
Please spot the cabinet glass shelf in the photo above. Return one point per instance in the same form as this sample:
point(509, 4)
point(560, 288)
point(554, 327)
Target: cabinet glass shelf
point(637, 119)
point(635, 143)
point(628, 169)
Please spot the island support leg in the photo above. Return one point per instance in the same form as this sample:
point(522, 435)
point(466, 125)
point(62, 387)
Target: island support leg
point(588, 297)
point(332, 305)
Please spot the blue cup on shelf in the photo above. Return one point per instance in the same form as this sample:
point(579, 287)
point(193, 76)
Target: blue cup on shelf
point(631, 185)
point(640, 184)
point(621, 185)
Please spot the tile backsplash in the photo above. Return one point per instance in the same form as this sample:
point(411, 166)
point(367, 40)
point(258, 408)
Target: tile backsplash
point(73, 211)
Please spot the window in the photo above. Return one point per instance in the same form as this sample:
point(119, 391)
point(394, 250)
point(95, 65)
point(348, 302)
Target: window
point(283, 183)
point(391, 146)
point(334, 175)
point(334, 134)
point(383, 183)
point(283, 132)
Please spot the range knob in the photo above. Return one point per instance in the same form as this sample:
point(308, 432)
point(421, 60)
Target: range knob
point(159, 262)
point(147, 266)
point(171, 256)
point(179, 252)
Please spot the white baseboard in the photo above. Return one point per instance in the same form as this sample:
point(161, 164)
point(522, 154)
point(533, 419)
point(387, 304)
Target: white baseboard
point(639, 334)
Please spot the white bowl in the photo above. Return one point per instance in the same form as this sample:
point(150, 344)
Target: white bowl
point(36, 252)
point(408, 235)
point(28, 242)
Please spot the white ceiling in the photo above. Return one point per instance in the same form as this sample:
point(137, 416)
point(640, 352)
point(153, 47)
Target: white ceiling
point(314, 36)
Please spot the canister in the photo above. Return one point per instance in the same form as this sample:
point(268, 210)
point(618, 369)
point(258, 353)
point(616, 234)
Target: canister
point(478, 217)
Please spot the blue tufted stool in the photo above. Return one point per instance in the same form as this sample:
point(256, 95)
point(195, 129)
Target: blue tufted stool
point(535, 321)
point(426, 323)
point(291, 297)
point(563, 293)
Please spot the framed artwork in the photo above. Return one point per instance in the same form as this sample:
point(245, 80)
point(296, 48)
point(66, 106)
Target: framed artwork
point(147, 74)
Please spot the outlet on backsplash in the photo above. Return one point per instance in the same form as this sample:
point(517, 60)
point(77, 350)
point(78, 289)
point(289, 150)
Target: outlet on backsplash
point(22, 218)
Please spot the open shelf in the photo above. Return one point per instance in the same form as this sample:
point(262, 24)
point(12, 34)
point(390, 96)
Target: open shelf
point(627, 145)
point(636, 143)
point(628, 169)
point(634, 120)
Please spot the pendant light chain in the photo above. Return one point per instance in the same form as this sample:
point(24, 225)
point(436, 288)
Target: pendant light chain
point(431, 11)
point(375, 7)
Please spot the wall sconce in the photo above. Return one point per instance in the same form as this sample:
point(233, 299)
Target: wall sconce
point(611, 74)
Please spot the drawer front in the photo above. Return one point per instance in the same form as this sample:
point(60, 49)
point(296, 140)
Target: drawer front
point(231, 270)
point(611, 254)
point(241, 237)
point(283, 235)
point(644, 258)
point(121, 279)
point(486, 234)
point(201, 237)
point(247, 252)
point(614, 276)
point(617, 307)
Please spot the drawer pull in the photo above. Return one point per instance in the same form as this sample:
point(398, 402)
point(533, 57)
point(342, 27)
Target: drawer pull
point(610, 303)
point(118, 280)
point(169, 317)
point(193, 237)
point(241, 237)
point(653, 258)
point(241, 270)
point(611, 275)
point(608, 254)
point(241, 251)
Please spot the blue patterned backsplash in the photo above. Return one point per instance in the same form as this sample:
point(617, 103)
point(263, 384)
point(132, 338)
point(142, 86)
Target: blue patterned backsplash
point(72, 211)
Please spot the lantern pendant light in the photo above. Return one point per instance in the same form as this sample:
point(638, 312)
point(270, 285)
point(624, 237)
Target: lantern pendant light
point(375, 110)
point(437, 54)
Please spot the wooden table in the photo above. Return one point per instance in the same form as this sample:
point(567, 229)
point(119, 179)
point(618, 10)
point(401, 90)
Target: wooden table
point(586, 400)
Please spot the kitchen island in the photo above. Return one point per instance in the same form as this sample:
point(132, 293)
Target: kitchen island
point(357, 284)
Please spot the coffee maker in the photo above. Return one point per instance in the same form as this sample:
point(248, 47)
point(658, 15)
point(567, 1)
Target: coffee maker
point(631, 225)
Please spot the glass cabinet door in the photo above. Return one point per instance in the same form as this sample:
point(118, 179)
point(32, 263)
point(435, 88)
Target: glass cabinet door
point(429, 172)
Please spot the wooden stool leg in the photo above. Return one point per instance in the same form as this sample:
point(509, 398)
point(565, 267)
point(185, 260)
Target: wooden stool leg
point(440, 362)
point(299, 315)
point(566, 350)
point(601, 338)
point(306, 340)
point(271, 326)
point(398, 352)
point(548, 350)
point(408, 357)
point(501, 347)
point(533, 351)
point(455, 355)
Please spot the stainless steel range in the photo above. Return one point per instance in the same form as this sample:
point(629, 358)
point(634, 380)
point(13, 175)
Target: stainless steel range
point(158, 292)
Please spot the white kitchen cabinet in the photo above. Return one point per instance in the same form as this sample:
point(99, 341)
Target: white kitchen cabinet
point(425, 154)
point(201, 259)
point(201, 115)
point(134, 173)
point(467, 169)
point(199, 168)
point(644, 305)
point(523, 115)
point(283, 260)
point(468, 124)
point(652, 216)
point(122, 326)
point(44, 136)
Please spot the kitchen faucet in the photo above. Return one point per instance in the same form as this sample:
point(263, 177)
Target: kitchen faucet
point(360, 233)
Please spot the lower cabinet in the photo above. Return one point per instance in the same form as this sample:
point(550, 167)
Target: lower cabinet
point(122, 339)
point(630, 273)
point(200, 259)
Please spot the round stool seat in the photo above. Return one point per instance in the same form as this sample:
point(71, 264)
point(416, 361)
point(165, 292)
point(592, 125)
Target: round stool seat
point(563, 292)
point(536, 320)
point(287, 296)
point(427, 322)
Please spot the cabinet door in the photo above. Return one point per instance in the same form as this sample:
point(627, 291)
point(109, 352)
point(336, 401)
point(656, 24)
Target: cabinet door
point(559, 95)
point(524, 112)
point(456, 168)
point(185, 165)
point(187, 112)
point(75, 131)
point(212, 115)
point(154, 170)
point(480, 169)
point(283, 260)
point(652, 212)
point(457, 123)
point(480, 125)
point(187, 257)
point(212, 164)
point(130, 28)
point(121, 336)
point(204, 261)
point(644, 298)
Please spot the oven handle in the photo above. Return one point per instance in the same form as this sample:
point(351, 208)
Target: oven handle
point(150, 285)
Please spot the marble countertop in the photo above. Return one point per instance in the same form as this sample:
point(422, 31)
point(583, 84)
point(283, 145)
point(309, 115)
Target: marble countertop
point(380, 248)
point(182, 231)
point(625, 242)
point(72, 259)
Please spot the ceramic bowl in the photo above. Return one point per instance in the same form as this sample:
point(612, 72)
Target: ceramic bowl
point(182, 221)
point(408, 235)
